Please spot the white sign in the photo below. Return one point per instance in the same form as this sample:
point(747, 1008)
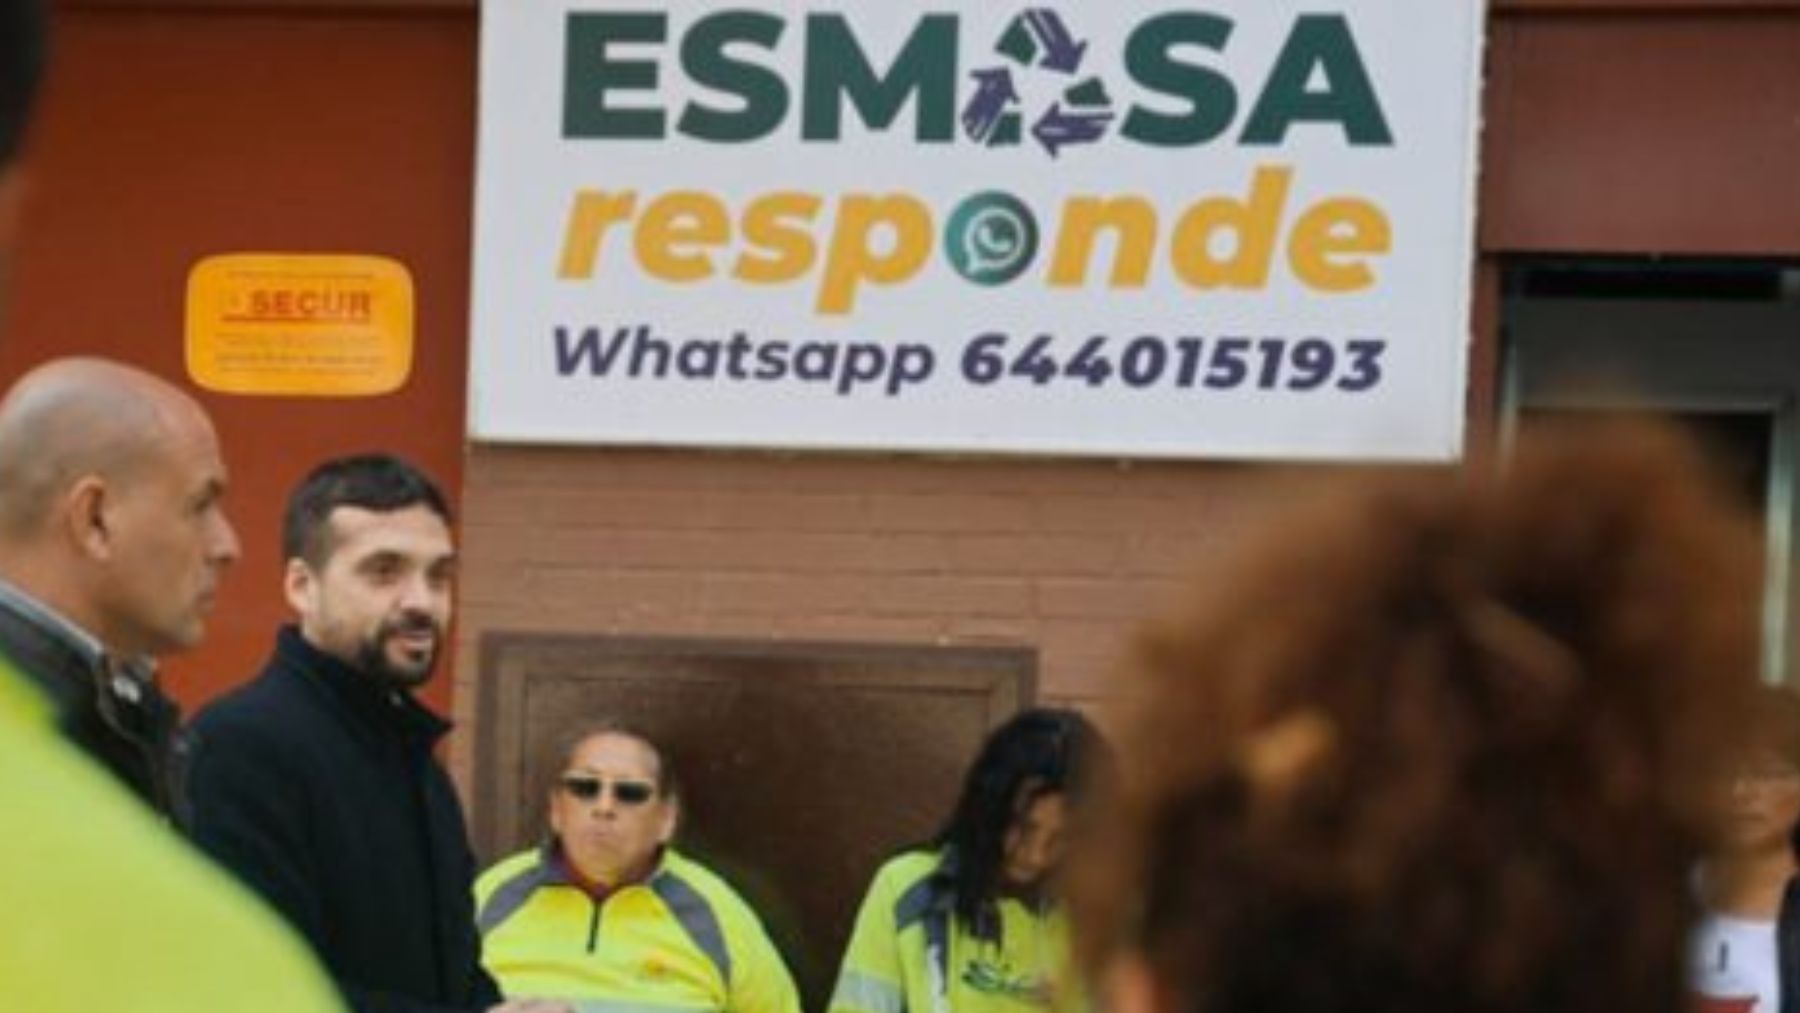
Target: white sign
point(1236, 229)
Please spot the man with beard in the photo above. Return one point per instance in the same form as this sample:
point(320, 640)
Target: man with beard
point(316, 783)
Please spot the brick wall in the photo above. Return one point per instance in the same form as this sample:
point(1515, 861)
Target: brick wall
point(1063, 556)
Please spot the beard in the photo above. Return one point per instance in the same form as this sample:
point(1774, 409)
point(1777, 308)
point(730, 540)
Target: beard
point(374, 657)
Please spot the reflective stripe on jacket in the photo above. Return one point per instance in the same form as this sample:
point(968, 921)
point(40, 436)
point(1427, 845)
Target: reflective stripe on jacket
point(909, 954)
point(682, 940)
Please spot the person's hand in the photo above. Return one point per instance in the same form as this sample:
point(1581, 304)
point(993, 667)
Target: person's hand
point(532, 1006)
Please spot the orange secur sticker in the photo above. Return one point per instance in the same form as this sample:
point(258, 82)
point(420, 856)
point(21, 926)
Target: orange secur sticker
point(299, 324)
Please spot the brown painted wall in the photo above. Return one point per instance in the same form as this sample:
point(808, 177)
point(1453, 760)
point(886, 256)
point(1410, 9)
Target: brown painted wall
point(1673, 132)
point(167, 136)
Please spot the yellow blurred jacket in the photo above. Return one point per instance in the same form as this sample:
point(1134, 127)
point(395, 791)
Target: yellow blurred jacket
point(682, 940)
point(110, 909)
point(909, 954)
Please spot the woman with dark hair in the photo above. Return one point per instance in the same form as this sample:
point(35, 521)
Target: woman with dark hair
point(1745, 954)
point(970, 920)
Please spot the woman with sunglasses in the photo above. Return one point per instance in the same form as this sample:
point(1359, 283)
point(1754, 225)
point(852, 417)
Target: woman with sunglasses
point(970, 921)
point(607, 913)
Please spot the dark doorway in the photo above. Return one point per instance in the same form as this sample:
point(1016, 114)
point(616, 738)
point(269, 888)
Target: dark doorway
point(802, 766)
point(1713, 344)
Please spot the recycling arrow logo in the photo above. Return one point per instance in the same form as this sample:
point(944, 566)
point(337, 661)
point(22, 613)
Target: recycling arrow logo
point(1037, 42)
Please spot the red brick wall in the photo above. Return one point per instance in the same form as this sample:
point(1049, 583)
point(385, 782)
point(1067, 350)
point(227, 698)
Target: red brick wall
point(1063, 556)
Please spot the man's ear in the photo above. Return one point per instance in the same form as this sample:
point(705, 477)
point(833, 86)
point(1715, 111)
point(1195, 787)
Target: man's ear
point(554, 815)
point(84, 517)
point(300, 586)
point(671, 820)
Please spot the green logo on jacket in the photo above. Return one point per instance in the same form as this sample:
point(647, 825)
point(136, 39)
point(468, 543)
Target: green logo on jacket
point(991, 978)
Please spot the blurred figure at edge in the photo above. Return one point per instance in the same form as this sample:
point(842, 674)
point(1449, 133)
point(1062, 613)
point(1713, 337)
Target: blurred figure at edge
point(1441, 744)
point(1745, 954)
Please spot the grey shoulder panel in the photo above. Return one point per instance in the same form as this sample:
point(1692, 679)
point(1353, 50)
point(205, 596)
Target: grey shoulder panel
point(697, 918)
point(510, 896)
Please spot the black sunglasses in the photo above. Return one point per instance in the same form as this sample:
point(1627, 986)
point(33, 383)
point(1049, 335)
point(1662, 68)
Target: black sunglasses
point(587, 789)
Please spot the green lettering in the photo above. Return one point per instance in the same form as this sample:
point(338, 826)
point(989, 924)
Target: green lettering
point(1212, 101)
point(837, 67)
point(588, 75)
point(1322, 42)
point(764, 96)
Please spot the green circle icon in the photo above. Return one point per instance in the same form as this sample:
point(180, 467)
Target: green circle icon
point(991, 238)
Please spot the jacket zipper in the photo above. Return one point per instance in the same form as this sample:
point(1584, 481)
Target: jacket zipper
point(593, 926)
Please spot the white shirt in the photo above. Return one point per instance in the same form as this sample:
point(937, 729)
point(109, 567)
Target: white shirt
point(1732, 961)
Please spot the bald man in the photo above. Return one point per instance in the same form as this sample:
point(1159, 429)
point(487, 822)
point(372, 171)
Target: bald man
point(112, 542)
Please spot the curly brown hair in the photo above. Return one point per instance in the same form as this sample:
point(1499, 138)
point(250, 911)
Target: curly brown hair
point(1438, 747)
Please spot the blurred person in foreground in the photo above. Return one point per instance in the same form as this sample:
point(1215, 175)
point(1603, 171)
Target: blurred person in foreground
point(971, 922)
point(1439, 746)
point(1745, 954)
point(607, 914)
point(110, 909)
point(316, 783)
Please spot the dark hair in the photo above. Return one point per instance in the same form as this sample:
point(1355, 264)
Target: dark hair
point(379, 482)
point(567, 743)
point(1038, 752)
point(22, 31)
point(1443, 745)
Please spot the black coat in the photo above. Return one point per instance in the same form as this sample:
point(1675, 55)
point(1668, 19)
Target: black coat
point(1787, 947)
point(113, 712)
point(317, 787)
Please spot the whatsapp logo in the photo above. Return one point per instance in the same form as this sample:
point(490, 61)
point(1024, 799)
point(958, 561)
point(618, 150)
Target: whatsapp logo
point(991, 238)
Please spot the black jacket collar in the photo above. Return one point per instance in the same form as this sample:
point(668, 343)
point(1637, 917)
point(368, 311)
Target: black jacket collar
point(386, 711)
point(111, 710)
point(62, 667)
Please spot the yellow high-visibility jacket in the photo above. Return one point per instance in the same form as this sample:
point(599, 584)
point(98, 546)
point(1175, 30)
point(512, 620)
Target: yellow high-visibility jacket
point(909, 953)
point(681, 940)
point(109, 908)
